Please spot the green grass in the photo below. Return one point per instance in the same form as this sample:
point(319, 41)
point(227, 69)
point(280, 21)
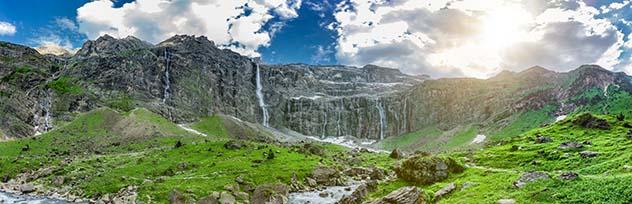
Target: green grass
point(65, 85)
point(212, 126)
point(405, 140)
point(523, 122)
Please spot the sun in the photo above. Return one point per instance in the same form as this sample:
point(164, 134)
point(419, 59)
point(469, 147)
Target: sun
point(504, 26)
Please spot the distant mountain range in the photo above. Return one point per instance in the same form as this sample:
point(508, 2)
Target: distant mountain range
point(186, 78)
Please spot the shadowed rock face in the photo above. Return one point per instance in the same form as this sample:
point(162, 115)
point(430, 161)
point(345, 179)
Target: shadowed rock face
point(187, 77)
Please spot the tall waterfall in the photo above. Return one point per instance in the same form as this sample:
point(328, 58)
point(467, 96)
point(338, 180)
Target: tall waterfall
point(380, 108)
point(262, 103)
point(167, 79)
point(45, 107)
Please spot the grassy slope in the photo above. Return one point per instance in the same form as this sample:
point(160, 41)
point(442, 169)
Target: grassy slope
point(604, 179)
point(109, 151)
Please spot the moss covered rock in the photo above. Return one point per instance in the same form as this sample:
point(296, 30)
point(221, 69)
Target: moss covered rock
point(424, 169)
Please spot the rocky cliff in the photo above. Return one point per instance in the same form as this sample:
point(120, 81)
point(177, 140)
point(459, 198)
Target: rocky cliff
point(187, 77)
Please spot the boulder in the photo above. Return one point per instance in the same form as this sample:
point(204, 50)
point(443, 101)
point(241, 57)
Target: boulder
point(571, 145)
point(397, 154)
point(311, 182)
point(176, 197)
point(543, 139)
point(568, 176)
point(243, 196)
point(530, 177)
point(226, 198)
point(360, 193)
point(325, 175)
point(234, 144)
point(444, 191)
point(403, 195)
point(271, 194)
point(208, 200)
point(506, 201)
point(58, 181)
point(422, 169)
point(27, 188)
point(587, 120)
point(588, 154)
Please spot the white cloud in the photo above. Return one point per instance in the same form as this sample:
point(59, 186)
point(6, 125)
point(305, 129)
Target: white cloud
point(66, 23)
point(7, 28)
point(614, 6)
point(475, 38)
point(235, 24)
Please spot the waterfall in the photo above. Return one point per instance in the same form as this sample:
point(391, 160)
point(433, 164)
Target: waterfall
point(339, 117)
point(324, 131)
point(167, 80)
point(262, 103)
point(46, 125)
point(380, 109)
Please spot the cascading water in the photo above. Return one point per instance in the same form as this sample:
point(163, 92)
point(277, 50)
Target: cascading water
point(167, 79)
point(45, 107)
point(380, 109)
point(262, 103)
point(324, 131)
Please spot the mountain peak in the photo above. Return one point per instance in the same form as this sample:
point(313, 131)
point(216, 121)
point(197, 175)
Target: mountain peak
point(107, 44)
point(187, 40)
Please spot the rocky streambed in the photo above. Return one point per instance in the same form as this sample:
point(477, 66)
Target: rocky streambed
point(16, 198)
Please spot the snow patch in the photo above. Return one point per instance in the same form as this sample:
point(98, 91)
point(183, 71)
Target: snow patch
point(479, 139)
point(560, 118)
point(191, 130)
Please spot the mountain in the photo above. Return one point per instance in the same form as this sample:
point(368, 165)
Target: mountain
point(186, 78)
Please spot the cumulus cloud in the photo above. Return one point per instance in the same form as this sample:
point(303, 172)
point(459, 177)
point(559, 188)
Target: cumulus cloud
point(7, 28)
point(476, 38)
point(235, 24)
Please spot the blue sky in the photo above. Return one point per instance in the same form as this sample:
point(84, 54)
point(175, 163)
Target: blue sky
point(443, 38)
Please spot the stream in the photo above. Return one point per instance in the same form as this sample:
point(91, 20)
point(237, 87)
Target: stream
point(12, 198)
point(326, 195)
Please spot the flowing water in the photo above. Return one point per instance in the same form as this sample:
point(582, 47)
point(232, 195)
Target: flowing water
point(262, 103)
point(167, 89)
point(42, 119)
point(380, 108)
point(323, 196)
point(11, 198)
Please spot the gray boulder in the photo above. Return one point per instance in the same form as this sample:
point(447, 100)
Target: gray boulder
point(403, 195)
point(271, 194)
point(530, 177)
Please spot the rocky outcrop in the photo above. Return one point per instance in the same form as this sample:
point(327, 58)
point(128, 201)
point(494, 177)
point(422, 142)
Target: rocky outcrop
point(270, 194)
point(529, 177)
point(423, 169)
point(404, 195)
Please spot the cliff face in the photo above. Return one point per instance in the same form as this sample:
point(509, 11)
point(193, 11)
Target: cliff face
point(186, 77)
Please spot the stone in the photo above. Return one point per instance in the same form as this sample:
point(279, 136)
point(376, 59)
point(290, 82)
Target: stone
point(543, 139)
point(571, 145)
point(243, 196)
point(311, 182)
point(396, 154)
point(27, 188)
point(422, 169)
point(588, 154)
point(568, 176)
point(226, 198)
point(530, 177)
point(359, 194)
point(270, 194)
point(208, 200)
point(403, 195)
point(234, 144)
point(377, 174)
point(587, 120)
point(444, 191)
point(239, 180)
point(323, 194)
point(175, 197)
point(58, 181)
point(325, 175)
point(467, 185)
point(506, 201)
point(6, 178)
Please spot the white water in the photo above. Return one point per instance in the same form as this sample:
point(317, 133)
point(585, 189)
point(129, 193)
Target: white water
point(560, 118)
point(46, 125)
point(262, 103)
point(349, 142)
point(167, 79)
point(334, 194)
point(325, 123)
point(380, 108)
point(479, 139)
point(191, 130)
point(9, 198)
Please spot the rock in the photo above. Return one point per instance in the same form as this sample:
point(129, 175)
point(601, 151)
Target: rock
point(231, 187)
point(530, 177)
point(357, 172)
point(571, 145)
point(587, 120)
point(506, 201)
point(360, 193)
point(444, 191)
point(397, 154)
point(226, 198)
point(26, 148)
point(568, 176)
point(311, 182)
point(588, 154)
point(239, 180)
point(325, 175)
point(587, 142)
point(233, 145)
point(175, 197)
point(543, 139)
point(323, 194)
point(467, 185)
point(377, 173)
point(58, 181)
point(271, 194)
point(208, 200)
point(427, 169)
point(243, 196)
point(27, 188)
point(403, 195)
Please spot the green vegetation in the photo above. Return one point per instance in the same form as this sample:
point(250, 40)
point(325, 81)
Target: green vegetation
point(406, 140)
point(523, 122)
point(65, 85)
point(213, 125)
point(123, 103)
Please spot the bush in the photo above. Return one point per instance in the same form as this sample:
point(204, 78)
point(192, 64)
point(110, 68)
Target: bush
point(64, 85)
point(122, 103)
